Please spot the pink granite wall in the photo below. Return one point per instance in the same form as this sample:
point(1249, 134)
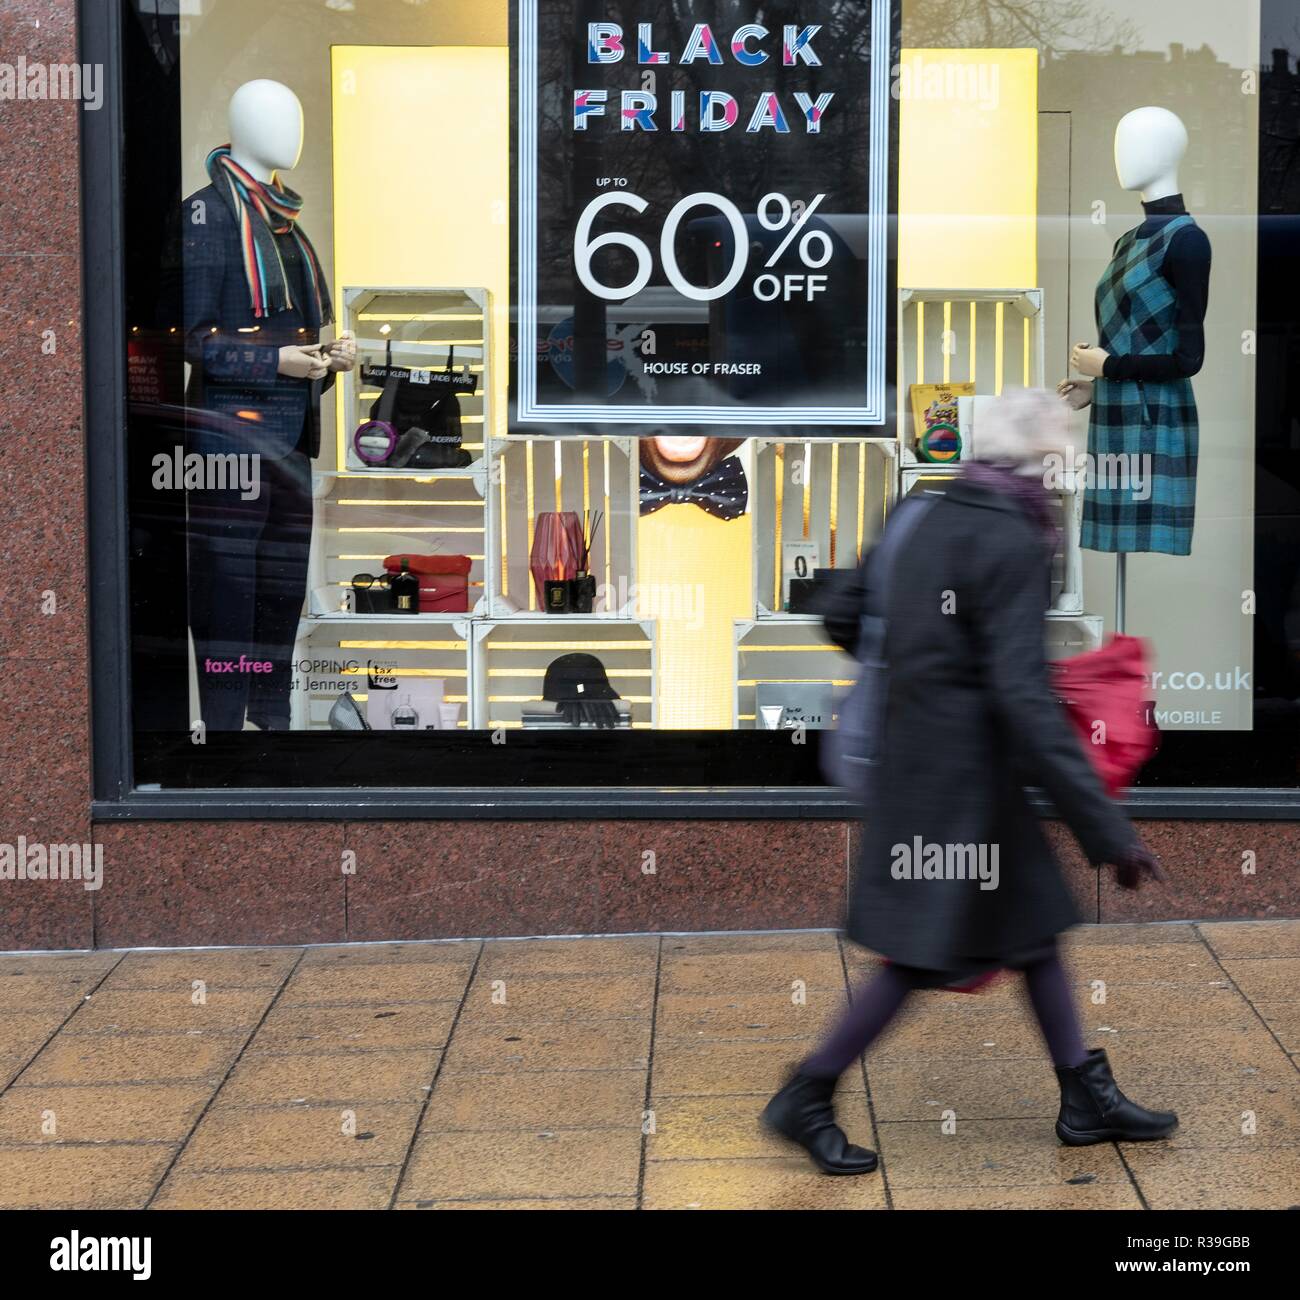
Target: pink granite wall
point(44, 721)
point(177, 883)
point(242, 882)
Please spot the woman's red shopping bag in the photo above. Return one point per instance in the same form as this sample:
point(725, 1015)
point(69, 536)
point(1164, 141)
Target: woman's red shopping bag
point(1105, 692)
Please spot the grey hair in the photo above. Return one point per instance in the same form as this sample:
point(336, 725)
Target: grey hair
point(1023, 428)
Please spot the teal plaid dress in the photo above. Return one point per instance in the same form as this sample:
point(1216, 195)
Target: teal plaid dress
point(1146, 499)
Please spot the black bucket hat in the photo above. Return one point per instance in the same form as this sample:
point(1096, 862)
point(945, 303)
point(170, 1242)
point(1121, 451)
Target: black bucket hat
point(575, 678)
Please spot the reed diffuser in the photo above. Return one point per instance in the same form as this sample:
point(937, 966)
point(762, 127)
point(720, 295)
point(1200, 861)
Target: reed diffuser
point(582, 589)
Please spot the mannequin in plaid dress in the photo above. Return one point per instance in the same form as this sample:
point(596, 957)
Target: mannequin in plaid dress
point(1151, 302)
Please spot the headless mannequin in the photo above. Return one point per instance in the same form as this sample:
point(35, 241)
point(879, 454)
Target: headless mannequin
point(266, 137)
point(1150, 145)
point(257, 379)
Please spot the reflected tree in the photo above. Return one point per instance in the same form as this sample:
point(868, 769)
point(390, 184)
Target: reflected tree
point(1047, 25)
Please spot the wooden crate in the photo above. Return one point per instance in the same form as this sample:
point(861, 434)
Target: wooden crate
point(364, 514)
point(834, 492)
point(531, 475)
point(360, 520)
point(794, 648)
point(426, 327)
point(1067, 562)
point(993, 337)
point(345, 648)
point(511, 657)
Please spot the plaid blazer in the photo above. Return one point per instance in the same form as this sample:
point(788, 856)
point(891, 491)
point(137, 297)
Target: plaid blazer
point(1142, 436)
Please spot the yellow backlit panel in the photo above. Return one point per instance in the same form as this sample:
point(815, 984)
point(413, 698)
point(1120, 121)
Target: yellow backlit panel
point(968, 169)
point(418, 202)
point(682, 550)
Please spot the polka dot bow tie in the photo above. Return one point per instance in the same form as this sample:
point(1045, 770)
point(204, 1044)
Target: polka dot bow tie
point(723, 492)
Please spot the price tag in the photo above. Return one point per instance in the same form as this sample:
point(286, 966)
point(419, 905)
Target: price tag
point(798, 560)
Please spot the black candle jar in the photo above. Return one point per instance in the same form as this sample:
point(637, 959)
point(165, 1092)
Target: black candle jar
point(582, 594)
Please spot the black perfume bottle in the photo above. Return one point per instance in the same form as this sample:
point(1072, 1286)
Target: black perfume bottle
point(406, 590)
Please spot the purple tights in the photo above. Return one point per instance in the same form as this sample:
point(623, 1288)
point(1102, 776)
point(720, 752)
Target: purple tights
point(876, 1003)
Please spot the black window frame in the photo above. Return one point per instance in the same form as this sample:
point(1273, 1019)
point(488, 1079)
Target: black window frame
point(115, 793)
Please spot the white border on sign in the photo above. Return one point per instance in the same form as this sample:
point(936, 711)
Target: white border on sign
point(530, 411)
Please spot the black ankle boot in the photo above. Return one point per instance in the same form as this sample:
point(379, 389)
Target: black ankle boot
point(1094, 1110)
point(802, 1112)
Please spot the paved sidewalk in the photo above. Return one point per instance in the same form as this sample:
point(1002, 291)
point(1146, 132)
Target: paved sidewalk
point(621, 1073)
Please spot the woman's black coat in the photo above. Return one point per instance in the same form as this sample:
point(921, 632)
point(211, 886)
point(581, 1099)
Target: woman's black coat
point(970, 720)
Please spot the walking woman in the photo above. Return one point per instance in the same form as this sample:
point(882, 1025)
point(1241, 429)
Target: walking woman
point(970, 719)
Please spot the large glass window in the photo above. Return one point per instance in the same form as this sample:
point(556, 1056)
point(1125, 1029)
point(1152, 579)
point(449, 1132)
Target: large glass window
point(507, 375)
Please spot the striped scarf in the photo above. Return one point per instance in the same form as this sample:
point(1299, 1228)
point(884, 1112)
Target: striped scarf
point(264, 211)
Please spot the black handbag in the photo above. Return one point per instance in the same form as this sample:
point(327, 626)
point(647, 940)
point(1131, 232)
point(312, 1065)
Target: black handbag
point(851, 753)
point(373, 594)
point(424, 409)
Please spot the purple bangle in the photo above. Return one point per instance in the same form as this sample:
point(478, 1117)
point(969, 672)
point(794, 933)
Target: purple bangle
point(369, 429)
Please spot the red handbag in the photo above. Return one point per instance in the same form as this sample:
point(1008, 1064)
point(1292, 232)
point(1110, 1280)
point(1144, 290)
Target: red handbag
point(444, 580)
point(1105, 693)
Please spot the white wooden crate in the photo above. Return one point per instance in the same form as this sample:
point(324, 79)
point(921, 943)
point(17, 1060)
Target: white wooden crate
point(1067, 562)
point(794, 648)
point(426, 327)
point(364, 514)
point(343, 649)
point(833, 492)
point(361, 519)
point(511, 657)
point(531, 475)
point(992, 337)
point(1073, 634)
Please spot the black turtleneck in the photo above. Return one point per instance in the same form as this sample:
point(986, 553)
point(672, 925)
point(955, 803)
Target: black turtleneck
point(1187, 268)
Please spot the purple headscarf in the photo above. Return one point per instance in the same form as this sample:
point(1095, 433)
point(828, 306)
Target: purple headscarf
point(1025, 489)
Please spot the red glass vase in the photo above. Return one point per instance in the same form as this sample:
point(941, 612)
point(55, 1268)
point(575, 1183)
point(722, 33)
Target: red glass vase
point(557, 550)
